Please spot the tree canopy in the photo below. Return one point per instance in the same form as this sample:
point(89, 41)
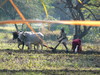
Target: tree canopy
point(55, 9)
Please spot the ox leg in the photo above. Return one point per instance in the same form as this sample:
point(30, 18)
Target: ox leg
point(22, 45)
point(29, 46)
point(34, 47)
point(41, 46)
point(37, 46)
point(19, 46)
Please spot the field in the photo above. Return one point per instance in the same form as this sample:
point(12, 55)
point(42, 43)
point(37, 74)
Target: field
point(44, 62)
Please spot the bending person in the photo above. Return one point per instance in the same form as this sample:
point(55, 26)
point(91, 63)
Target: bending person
point(76, 45)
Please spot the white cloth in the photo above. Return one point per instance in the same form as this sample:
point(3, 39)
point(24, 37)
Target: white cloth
point(64, 40)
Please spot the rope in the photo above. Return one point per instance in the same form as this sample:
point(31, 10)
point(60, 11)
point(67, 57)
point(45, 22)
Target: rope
point(69, 22)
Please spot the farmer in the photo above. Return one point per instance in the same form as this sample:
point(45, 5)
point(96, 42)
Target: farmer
point(62, 39)
point(76, 45)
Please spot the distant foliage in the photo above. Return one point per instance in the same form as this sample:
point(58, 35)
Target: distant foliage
point(59, 26)
point(93, 35)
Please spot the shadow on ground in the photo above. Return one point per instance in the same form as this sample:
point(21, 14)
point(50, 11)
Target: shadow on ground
point(48, 51)
point(54, 72)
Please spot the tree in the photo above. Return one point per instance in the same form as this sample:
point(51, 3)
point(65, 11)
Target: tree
point(31, 9)
point(76, 11)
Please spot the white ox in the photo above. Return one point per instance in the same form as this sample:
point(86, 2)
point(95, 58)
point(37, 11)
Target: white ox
point(29, 38)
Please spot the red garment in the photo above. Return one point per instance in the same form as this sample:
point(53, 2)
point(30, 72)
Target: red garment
point(75, 43)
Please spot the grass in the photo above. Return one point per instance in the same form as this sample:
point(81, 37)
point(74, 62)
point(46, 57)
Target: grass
point(37, 62)
point(43, 62)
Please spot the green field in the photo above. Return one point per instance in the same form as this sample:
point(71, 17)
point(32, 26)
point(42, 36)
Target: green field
point(40, 62)
point(44, 62)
